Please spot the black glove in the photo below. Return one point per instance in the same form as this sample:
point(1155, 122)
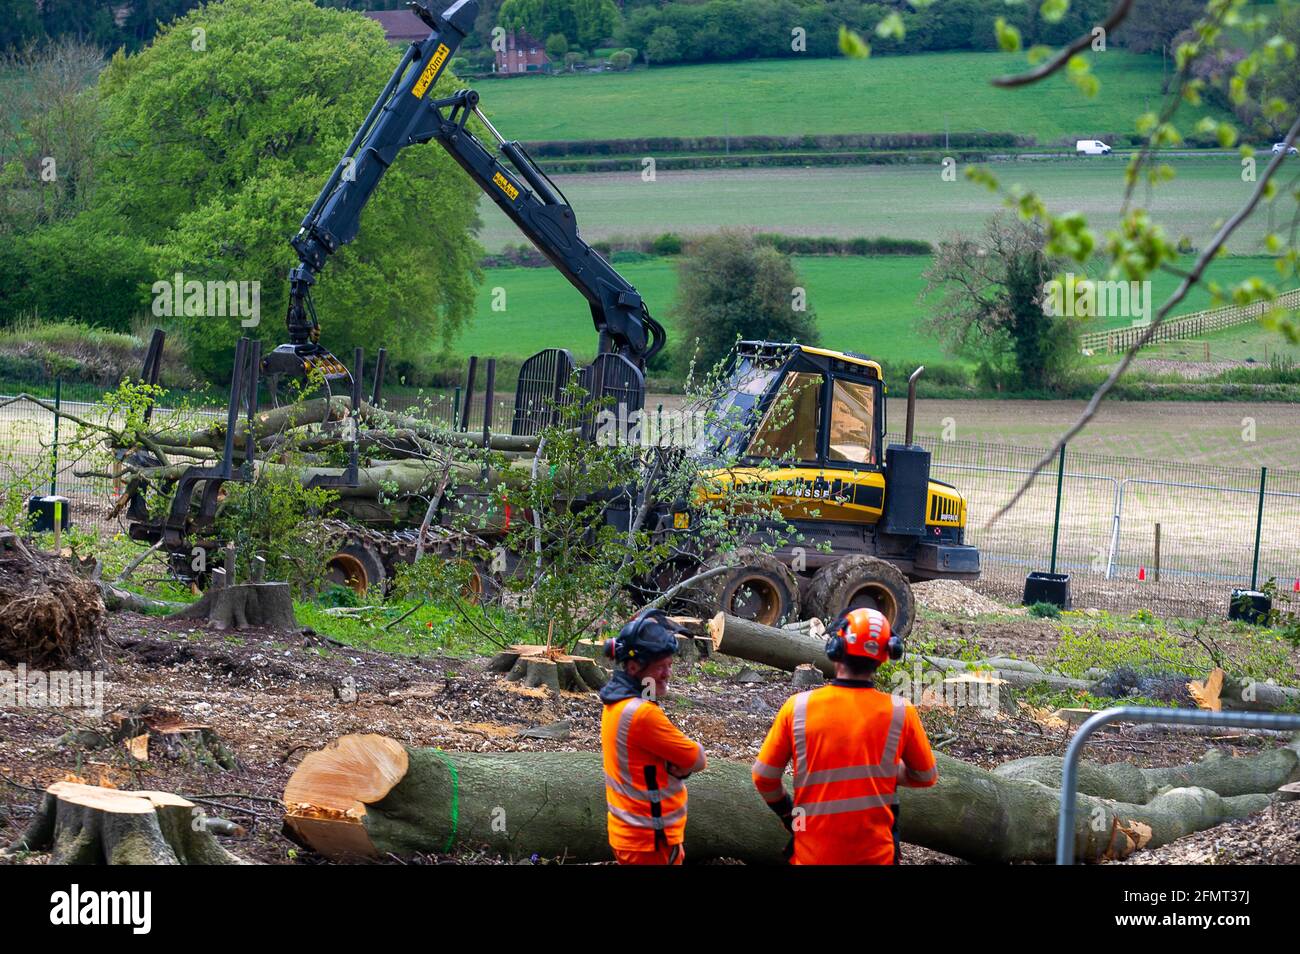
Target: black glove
point(785, 811)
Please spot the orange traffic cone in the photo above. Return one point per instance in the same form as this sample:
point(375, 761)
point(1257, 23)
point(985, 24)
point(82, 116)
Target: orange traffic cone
point(1142, 573)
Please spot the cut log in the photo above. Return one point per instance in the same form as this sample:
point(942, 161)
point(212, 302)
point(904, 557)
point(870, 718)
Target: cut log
point(785, 648)
point(88, 825)
point(781, 648)
point(267, 605)
point(1017, 677)
point(367, 796)
point(1125, 782)
point(1250, 695)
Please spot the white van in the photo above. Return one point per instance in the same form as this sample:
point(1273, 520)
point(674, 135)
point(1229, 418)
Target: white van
point(1091, 147)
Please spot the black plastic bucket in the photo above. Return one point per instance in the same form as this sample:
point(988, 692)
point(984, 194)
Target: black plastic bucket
point(1250, 606)
point(1051, 588)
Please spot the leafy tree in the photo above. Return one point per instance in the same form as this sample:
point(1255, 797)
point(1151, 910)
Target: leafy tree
point(663, 45)
point(731, 287)
point(557, 46)
point(620, 60)
point(1276, 81)
point(19, 23)
point(990, 305)
point(585, 22)
point(48, 127)
point(216, 149)
point(1157, 22)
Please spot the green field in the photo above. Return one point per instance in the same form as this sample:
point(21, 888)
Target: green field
point(898, 201)
point(862, 304)
point(919, 93)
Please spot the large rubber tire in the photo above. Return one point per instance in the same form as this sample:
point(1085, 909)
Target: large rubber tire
point(759, 588)
point(480, 587)
point(357, 567)
point(862, 581)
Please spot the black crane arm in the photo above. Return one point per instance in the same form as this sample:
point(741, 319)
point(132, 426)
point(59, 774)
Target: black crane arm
point(403, 116)
point(539, 210)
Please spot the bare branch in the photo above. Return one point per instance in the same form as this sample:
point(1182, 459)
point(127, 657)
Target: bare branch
point(1059, 61)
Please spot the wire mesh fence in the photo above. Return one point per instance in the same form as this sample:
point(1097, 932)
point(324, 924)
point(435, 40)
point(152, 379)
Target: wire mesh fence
point(1132, 532)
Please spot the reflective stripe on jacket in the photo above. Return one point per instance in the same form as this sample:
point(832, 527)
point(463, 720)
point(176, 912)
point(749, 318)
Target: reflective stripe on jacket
point(851, 747)
point(646, 803)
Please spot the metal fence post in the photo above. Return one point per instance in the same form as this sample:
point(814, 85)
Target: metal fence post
point(1143, 714)
point(1056, 521)
point(1259, 526)
point(54, 452)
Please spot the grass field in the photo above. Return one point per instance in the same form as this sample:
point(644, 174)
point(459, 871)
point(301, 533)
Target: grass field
point(863, 304)
point(918, 93)
point(899, 201)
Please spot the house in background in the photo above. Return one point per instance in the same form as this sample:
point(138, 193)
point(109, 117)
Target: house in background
point(400, 26)
point(522, 54)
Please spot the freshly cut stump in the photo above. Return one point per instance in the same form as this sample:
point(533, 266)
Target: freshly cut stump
point(267, 605)
point(807, 676)
point(151, 733)
point(89, 825)
point(535, 667)
point(366, 796)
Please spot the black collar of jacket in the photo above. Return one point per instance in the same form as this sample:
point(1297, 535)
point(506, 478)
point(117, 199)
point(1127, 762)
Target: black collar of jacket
point(620, 686)
point(854, 683)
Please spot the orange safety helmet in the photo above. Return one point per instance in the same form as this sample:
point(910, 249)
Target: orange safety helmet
point(863, 633)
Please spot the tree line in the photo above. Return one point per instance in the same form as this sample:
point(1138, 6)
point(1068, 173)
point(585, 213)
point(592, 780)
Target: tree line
point(721, 30)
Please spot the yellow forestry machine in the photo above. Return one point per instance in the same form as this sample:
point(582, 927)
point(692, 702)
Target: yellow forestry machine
point(868, 518)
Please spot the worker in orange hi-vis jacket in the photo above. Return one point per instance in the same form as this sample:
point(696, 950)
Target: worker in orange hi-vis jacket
point(647, 758)
point(851, 746)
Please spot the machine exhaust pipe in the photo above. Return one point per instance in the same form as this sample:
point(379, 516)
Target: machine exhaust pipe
point(911, 404)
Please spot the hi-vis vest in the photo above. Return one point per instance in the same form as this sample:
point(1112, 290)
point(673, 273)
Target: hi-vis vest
point(850, 747)
point(646, 805)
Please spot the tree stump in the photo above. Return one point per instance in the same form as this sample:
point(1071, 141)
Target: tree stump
point(151, 733)
point(267, 605)
point(535, 667)
point(89, 825)
point(806, 676)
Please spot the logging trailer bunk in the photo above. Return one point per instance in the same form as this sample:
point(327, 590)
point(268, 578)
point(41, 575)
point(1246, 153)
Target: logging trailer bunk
point(869, 519)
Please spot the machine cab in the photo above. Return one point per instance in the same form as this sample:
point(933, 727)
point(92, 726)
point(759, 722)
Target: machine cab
point(809, 424)
point(796, 405)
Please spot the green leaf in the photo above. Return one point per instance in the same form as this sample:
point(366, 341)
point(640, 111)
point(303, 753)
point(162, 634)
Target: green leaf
point(1053, 11)
point(1008, 36)
point(891, 27)
point(852, 45)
